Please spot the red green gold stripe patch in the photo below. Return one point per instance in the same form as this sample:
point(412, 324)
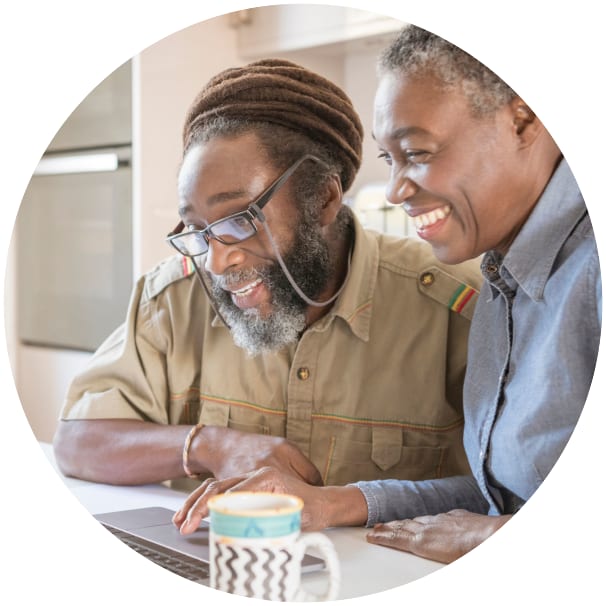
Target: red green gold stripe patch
point(188, 266)
point(461, 297)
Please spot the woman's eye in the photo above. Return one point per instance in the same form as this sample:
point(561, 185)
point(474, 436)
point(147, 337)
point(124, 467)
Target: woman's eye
point(385, 156)
point(416, 155)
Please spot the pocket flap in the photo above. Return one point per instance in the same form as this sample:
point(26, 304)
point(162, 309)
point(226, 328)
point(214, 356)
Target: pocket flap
point(386, 446)
point(215, 414)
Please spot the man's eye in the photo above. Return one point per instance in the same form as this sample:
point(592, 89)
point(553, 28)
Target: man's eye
point(194, 227)
point(240, 221)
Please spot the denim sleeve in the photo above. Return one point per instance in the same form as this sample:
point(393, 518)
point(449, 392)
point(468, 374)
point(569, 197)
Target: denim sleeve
point(402, 499)
point(598, 288)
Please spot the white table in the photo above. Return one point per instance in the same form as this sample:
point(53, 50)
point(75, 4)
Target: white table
point(365, 568)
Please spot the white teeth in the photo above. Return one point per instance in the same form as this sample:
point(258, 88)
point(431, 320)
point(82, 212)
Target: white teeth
point(246, 289)
point(431, 217)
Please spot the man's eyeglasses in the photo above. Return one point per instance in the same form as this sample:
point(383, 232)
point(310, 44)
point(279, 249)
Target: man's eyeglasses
point(232, 229)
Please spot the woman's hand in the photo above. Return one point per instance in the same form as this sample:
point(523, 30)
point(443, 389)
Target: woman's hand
point(444, 537)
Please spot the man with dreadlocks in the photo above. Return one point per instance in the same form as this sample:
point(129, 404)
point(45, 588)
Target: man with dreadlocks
point(283, 334)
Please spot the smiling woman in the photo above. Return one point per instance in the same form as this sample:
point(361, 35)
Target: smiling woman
point(475, 167)
point(443, 153)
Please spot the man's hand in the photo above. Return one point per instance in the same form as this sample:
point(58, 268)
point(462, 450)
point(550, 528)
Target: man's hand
point(444, 537)
point(228, 453)
point(324, 506)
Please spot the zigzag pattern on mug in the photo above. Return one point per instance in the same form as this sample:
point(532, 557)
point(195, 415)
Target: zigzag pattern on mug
point(229, 571)
point(255, 571)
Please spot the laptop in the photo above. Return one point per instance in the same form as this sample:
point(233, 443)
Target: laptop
point(150, 532)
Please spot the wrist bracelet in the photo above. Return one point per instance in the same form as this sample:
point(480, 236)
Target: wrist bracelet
point(188, 440)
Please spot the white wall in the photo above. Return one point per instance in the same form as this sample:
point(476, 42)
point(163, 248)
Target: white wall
point(361, 90)
point(168, 76)
point(170, 73)
point(42, 378)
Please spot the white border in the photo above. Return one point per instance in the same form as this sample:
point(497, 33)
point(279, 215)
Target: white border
point(53, 53)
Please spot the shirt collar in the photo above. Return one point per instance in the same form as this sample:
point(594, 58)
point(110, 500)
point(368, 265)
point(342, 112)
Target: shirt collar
point(354, 305)
point(530, 259)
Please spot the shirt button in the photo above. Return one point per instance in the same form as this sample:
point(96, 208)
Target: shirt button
point(492, 269)
point(427, 278)
point(303, 373)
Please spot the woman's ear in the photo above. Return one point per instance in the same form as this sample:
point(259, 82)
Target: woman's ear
point(333, 199)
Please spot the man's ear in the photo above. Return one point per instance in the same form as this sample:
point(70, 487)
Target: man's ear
point(332, 201)
point(526, 125)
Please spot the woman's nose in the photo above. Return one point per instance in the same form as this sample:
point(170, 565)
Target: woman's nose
point(220, 257)
point(399, 188)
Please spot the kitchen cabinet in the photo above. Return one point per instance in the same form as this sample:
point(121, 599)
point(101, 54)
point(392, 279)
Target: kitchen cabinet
point(293, 27)
point(70, 270)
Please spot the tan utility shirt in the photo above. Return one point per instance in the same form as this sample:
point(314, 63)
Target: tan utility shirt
point(372, 390)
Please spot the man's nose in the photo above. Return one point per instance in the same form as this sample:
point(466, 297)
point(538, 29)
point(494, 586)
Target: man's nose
point(400, 187)
point(220, 257)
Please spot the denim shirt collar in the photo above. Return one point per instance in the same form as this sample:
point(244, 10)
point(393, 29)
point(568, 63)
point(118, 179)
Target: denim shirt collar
point(529, 261)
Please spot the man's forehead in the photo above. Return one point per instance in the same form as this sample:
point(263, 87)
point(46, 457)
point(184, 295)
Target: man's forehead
point(219, 176)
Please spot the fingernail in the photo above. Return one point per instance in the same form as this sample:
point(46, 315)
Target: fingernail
point(184, 527)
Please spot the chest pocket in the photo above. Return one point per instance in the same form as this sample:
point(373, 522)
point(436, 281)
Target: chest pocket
point(236, 417)
point(384, 457)
point(386, 449)
point(215, 414)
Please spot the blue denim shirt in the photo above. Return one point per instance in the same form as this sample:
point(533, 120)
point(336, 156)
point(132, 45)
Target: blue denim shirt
point(533, 347)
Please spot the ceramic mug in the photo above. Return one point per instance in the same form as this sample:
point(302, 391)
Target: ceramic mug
point(256, 547)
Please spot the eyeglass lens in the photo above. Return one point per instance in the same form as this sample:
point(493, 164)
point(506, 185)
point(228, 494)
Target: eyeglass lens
point(233, 229)
point(228, 231)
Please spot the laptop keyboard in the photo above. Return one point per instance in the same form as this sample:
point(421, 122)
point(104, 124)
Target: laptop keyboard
point(172, 560)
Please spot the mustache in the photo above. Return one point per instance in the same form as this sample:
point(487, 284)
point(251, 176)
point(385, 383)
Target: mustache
point(234, 278)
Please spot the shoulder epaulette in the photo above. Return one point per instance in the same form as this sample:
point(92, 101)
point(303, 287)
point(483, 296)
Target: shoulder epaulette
point(166, 273)
point(187, 266)
point(448, 290)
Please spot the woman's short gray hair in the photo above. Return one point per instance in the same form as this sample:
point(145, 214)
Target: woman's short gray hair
point(416, 51)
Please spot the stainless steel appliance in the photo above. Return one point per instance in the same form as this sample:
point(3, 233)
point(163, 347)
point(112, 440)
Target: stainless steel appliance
point(74, 227)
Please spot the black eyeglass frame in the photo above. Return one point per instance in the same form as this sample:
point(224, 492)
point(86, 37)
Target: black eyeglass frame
point(252, 212)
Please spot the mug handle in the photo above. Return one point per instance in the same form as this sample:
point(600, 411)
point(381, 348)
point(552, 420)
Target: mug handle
point(327, 550)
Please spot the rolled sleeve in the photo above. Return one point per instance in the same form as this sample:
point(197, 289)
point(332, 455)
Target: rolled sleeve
point(389, 500)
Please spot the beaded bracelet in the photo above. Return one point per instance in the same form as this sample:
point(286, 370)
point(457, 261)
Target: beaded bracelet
point(188, 440)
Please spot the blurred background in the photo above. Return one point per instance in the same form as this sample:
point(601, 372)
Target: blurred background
point(103, 197)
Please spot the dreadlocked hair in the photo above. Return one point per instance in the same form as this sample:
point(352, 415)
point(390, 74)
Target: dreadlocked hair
point(293, 110)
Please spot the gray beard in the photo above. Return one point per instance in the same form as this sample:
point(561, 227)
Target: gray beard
point(258, 335)
point(310, 265)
